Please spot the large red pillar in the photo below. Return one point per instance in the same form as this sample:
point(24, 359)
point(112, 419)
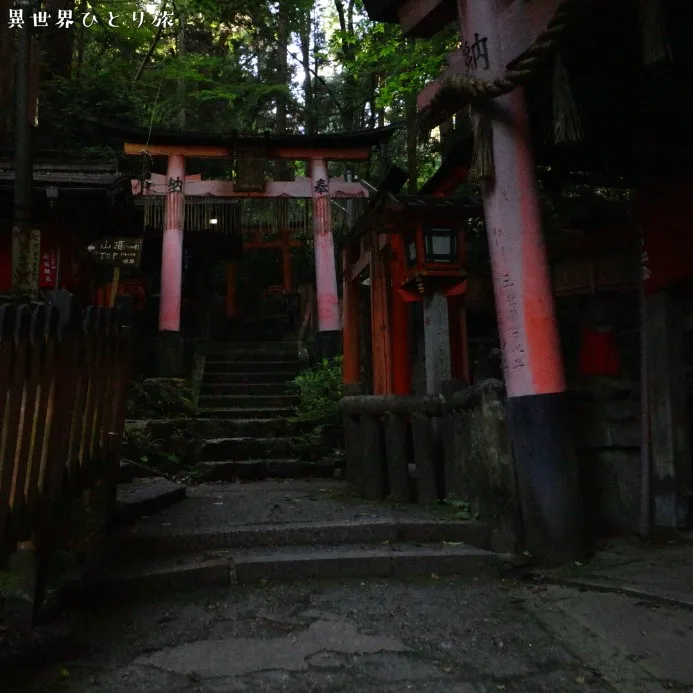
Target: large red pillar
point(545, 460)
point(401, 360)
point(329, 328)
point(351, 333)
point(172, 247)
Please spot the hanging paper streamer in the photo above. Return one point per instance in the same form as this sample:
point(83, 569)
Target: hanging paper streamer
point(567, 126)
point(482, 157)
point(653, 27)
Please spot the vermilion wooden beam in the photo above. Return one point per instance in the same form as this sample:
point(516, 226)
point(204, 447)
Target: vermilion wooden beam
point(351, 311)
point(401, 361)
point(380, 324)
point(216, 152)
point(301, 187)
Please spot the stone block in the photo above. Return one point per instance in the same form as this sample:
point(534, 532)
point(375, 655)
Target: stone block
point(611, 490)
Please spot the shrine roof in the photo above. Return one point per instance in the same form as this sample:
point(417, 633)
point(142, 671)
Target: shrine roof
point(382, 10)
point(74, 175)
point(235, 141)
point(418, 18)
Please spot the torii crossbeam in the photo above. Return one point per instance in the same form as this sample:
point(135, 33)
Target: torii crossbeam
point(316, 150)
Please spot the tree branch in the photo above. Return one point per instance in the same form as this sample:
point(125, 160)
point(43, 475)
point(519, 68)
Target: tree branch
point(152, 48)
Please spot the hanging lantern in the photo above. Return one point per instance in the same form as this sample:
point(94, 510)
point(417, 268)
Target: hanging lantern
point(433, 243)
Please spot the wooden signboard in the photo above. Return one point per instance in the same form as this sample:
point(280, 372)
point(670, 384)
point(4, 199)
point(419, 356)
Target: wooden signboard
point(117, 252)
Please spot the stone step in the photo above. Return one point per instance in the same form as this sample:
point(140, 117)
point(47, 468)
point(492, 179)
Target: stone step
point(226, 366)
point(247, 448)
point(253, 470)
point(129, 471)
point(251, 566)
point(250, 401)
point(230, 413)
point(233, 378)
point(287, 347)
point(242, 356)
point(146, 496)
point(240, 428)
point(215, 389)
point(153, 541)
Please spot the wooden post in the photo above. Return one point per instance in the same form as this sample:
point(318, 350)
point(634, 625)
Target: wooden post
point(669, 421)
point(396, 447)
point(544, 453)
point(325, 272)
point(424, 458)
point(380, 322)
point(372, 464)
point(114, 287)
point(172, 247)
point(231, 268)
point(352, 448)
point(401, 360)
point(351, 332)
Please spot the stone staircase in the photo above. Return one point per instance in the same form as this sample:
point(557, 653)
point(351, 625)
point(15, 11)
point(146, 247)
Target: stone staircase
point(246, 384)
point(282, 530)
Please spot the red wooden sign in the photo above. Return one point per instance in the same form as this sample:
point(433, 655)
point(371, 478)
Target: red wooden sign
point(48, 269)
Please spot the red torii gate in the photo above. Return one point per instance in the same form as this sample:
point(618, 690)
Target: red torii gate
point(316, 150)
point(494, 34)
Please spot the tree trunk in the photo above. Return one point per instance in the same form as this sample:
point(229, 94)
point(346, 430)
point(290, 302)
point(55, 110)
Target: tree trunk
point(283, 170)
point(57, 42)
point(180, 41)
point(309, 105)
point(346, 25)
point(6, 66)
point(412, 139)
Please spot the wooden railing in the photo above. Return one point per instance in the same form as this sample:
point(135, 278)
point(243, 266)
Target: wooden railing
point(63, 385)
point(426, 449)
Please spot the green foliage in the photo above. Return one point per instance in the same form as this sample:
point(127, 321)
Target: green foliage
point(457, 509)
point(11, 586)
point(166, 455)
point(320, 391)
point(226, 74)
point(160, 398)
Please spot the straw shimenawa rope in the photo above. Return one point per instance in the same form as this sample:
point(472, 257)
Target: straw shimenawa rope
point(459, 90)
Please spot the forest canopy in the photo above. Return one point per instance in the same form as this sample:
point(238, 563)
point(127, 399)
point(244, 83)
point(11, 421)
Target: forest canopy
point(293, 66)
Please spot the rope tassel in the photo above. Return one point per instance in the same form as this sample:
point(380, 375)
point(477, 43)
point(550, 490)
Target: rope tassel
point(567, 126)
point(653, 27)
point(482, 157)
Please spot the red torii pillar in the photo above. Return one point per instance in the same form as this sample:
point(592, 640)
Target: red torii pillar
point(329, 328)
point(542, 444)
point(172, 247)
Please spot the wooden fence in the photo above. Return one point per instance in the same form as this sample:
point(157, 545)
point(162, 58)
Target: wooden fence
point(63, 386)
point(426, 449)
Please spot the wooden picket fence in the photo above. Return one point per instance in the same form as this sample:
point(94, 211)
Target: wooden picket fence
point(63, 387)
point(427, 449)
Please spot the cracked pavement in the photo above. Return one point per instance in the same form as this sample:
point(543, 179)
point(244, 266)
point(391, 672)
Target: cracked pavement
point(429, 635)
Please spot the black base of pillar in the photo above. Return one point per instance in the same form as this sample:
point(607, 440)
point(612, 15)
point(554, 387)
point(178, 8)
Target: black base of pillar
point(328, 344)
point(171, 353)
point(548, 478)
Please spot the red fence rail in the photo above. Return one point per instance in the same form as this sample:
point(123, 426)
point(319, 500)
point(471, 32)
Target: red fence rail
point(63, 386)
